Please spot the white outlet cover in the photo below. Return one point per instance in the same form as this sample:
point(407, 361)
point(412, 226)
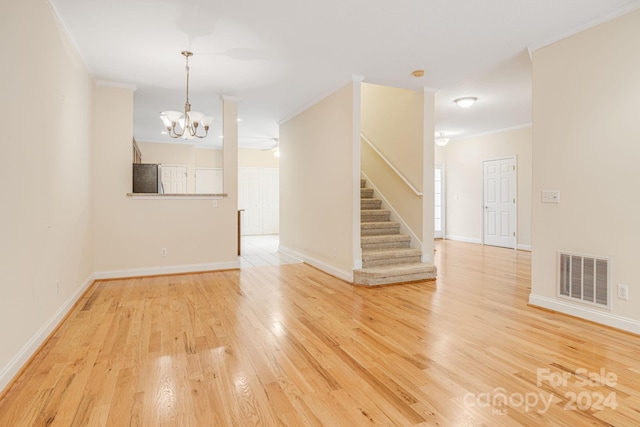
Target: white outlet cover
point(623, 291)
point(550, 196)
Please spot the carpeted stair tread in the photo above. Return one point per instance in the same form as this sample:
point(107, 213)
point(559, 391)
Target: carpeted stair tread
point(385, 238)
point(379, 228)
point(366, 193)
point(416, 267)
point(384, 241)
point(393, 274)
point(390, 253)
point(376, 215)
point(379, 224)
point(392, 256)
point(367, 204)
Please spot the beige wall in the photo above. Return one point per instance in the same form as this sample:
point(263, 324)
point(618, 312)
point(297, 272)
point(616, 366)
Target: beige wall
point(179, 154)
point(130, 233)
point(250, 157)
point(46, 225)
point(392, 120)
point(316, 183)
point(463, 181)
point(586, 144)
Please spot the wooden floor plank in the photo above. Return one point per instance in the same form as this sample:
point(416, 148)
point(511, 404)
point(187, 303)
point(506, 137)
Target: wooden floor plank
point(290, 345)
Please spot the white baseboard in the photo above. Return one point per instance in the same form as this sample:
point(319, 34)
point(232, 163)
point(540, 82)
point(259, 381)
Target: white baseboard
point(174, 269)
point(19, 360)
point(464, 239)
point(479, 241)
point(320, 265)
point(587, 313)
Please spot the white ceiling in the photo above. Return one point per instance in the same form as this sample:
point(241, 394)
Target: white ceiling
point(279, 56)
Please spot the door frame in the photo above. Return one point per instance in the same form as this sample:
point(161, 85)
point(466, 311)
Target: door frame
point(443, 220)
point(515, 205)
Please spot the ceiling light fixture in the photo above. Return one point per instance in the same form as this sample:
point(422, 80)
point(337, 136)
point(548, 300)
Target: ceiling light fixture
point(441, 141)
point(189, 121)
point(466, 102)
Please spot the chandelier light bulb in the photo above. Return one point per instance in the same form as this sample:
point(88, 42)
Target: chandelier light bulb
point(441, 141)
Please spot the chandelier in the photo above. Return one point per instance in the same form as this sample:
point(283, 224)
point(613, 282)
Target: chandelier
point(441, 141)
point(186, 124)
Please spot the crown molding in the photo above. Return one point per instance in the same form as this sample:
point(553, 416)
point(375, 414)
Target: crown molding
point(313, 102)
point(491, 132)
point(118, 85)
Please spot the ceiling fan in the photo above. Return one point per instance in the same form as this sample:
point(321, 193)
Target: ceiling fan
point(276, 144)
point(275, 148)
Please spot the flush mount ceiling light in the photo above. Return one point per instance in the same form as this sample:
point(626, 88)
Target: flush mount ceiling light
point(466, 102)
point(189, 121)
point(441, 141)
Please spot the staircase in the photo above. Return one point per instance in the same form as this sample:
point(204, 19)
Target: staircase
point(387, 257)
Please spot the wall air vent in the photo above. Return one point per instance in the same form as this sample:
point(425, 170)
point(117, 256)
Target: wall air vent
point(584, 278)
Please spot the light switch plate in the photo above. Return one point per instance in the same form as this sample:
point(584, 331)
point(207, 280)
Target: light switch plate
point(550, 196)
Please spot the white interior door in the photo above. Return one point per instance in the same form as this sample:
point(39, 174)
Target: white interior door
point(438, 203)
point(500, 202)
point(173, 179)
point(258, 195)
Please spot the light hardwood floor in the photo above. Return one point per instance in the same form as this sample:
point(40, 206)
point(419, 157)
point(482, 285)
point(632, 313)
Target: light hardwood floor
point(289, 345)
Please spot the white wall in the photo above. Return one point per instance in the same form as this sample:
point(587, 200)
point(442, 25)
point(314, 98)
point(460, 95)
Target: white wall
point(46, 226)
point(586, 144)
point(463, 180)
point(317, 185)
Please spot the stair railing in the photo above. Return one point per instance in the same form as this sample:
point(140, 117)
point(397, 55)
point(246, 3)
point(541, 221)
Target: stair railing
point(393, 168)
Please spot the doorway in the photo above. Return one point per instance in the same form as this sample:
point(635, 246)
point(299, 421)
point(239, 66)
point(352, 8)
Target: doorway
point(258, 196)
point(499, 207)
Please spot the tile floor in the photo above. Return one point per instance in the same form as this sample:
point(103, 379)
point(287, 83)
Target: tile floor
point(257, 251)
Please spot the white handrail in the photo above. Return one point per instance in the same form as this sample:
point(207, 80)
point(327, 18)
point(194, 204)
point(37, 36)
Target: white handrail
point(393, 168)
